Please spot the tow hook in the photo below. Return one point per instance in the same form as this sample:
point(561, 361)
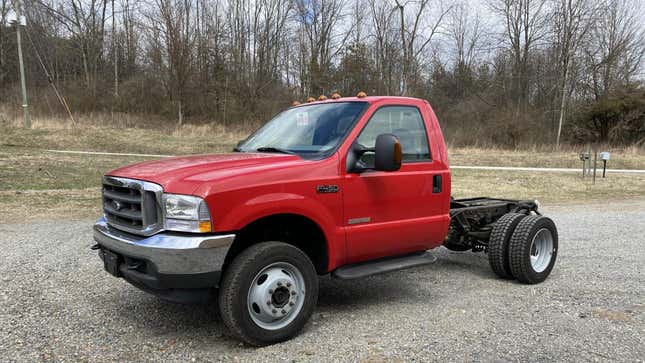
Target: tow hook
point(95, 247)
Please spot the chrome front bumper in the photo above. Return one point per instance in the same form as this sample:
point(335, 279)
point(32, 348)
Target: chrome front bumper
point(167, 255)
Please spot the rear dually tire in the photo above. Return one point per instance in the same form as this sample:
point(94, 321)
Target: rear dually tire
point(533, 249)
point(498, 244)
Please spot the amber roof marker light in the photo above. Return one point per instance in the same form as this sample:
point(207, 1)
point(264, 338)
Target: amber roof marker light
point(310, 99)
point(361, 94)
point(322, 98)
point(295, 103)
point(335, 96)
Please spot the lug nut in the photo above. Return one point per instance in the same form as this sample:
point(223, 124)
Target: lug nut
point(291, 303)
point(270, 291)
point(274, 311)
point(284, 311)
point(293, 293)
point(269, 302)
point(279, 283)
point(288, 284)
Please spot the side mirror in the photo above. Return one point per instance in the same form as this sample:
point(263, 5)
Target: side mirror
point(387, 153)
point(239, 143)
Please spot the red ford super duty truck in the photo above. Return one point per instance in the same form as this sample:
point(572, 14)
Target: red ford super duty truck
point(349, 186)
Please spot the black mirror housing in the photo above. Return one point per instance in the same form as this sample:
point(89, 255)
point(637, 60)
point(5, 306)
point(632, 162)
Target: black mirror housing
point(387, 153)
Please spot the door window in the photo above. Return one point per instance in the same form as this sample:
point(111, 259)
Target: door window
point(403, 121)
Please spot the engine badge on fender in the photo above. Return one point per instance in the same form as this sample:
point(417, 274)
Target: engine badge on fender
point(327, 189)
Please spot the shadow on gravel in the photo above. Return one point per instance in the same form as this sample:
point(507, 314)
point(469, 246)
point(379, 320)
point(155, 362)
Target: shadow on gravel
point(403, 286)
point(156, 318)
point(472, 263)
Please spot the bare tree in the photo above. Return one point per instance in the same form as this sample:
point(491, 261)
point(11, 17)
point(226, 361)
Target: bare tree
point(614, 53)
point(572, 21)
point(219, 60)
point(115, 53)
point(616, 46)
point(4, 11)
point(172, 39)
point(85, 20)
point(322, 40)
point(466, 34)
point(386, 46)
point(416, 35)
point(526, 24)
point(130, 38)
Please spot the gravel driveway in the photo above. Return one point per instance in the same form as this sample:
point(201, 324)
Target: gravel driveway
point(59, 305)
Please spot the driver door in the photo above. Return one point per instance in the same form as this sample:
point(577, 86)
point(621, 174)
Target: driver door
point(390, 213)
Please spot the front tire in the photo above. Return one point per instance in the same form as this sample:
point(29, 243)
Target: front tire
point(268, 293)
point(533, 249)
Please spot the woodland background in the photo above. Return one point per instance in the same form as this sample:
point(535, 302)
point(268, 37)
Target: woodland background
point(498, 72)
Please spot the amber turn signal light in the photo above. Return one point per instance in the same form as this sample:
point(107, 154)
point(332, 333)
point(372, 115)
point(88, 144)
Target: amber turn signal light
point(335, 96)
point(204, 226)
point(361, 94)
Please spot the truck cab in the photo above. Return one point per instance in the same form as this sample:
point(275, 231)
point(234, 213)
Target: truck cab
point(349, 186)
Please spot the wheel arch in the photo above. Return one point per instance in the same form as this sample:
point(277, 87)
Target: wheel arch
point(292, 228)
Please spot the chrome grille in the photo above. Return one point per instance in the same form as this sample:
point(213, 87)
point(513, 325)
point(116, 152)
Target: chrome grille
point(132, 205)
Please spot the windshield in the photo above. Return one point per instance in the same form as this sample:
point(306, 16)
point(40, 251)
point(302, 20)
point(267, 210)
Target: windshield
point(310, 131)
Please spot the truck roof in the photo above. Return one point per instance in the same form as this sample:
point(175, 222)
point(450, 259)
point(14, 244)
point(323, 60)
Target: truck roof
point(369, 99)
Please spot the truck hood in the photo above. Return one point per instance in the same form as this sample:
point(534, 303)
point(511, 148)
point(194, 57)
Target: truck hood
point(185, 174)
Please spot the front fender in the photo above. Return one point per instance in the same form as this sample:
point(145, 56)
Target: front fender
point(270, 204)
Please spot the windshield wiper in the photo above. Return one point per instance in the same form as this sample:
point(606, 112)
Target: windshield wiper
point(273, 149)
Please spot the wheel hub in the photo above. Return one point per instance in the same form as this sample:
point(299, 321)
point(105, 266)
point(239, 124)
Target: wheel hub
point(541, 250)
point(276, 296)
point(280, 297)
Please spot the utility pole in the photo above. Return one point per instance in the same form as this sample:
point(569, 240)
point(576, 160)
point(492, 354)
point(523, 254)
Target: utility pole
point(25, 103)
point(116, 54)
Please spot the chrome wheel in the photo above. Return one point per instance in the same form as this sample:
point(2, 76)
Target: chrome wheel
point(541, 250)
point(276, 296)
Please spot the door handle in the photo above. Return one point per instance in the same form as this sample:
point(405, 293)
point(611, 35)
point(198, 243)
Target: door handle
point(437, 183)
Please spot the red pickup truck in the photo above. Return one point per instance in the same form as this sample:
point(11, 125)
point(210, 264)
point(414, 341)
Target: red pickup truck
point(347, 186)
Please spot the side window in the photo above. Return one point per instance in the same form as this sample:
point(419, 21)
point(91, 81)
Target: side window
point(403, 121)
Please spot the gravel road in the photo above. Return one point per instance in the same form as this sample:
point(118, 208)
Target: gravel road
point(59, 305)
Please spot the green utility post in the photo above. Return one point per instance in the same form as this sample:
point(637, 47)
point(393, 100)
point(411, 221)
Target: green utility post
point(25, 103)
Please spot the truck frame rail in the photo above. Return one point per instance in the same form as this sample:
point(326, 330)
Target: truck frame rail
point(472, 220)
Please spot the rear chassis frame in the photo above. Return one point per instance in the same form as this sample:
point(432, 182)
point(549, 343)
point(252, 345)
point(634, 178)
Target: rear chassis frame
point(472, 219)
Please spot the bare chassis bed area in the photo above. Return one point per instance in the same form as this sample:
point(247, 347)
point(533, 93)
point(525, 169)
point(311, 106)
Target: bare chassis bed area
point(472, 220)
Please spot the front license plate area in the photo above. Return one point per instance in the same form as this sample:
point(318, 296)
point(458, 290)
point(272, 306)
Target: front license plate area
point(111, 262)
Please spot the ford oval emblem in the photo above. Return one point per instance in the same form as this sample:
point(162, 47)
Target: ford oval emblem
point(116, 205)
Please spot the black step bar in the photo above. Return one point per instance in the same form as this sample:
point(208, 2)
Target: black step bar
point(363, 269)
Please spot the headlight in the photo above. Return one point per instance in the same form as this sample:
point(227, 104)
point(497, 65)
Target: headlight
point(186, 213)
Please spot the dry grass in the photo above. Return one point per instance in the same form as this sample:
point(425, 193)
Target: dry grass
point(558, 188)
point(567, 157)
point(35, 183)
point(25, 205)
point(55, 133)
point(102, 132)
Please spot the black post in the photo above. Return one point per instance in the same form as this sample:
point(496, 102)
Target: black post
point(583, 168)
point(595, 163)
point(604, 167)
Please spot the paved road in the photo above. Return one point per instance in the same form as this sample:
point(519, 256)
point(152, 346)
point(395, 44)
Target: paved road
point(58, 305)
